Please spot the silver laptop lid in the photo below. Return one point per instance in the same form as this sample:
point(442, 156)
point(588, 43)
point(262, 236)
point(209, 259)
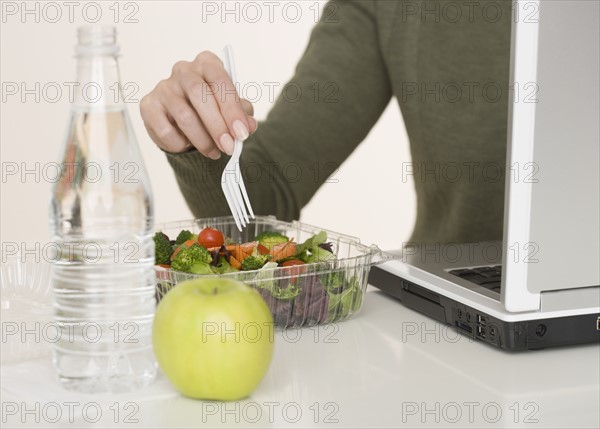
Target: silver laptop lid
point(552, 207)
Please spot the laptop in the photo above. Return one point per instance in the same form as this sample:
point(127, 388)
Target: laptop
point(540, 286)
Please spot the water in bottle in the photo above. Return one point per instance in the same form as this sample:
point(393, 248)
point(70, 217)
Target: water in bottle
point(101, 219)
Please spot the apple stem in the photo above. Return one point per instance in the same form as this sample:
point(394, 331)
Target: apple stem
point(214, 291)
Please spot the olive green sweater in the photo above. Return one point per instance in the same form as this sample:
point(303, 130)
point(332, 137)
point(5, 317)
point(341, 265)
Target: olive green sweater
point(447, 68)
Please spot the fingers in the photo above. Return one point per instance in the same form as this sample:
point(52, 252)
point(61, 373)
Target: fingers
point(253, 124)
point(197, 105)
point(228, 101)
point(164, 134)
point(189, 123)
point(206, 107)
point(174, 126)
point(249, 111)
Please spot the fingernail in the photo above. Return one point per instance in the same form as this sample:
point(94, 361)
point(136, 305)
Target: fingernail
point(241, 132)
point(226, 143)
point(215, 154)
point(253, 123)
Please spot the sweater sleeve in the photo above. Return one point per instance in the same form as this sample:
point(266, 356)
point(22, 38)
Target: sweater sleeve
point(338, 92)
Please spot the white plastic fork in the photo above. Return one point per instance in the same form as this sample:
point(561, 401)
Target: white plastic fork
point(231, 180)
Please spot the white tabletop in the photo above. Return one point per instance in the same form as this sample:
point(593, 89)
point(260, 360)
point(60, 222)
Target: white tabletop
point(387, 367)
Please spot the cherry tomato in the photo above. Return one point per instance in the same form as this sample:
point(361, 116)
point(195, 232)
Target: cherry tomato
point(162, 274)
point(294, 272)
point(292, 262)
point(209, 237)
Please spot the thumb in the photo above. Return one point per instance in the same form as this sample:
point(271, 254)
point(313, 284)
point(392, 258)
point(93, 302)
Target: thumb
point(248, 109)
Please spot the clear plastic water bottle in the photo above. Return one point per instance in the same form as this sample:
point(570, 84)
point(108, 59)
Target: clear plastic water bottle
point(101, 219)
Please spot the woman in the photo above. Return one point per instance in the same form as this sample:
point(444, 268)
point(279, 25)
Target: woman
point(447, 64)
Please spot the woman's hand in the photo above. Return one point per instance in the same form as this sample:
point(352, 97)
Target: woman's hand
point(197, 106)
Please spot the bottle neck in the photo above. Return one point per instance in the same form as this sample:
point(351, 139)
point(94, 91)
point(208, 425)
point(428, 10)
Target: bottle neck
point(99, 85)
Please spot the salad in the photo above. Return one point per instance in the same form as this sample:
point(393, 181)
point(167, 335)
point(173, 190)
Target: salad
point(297, 292)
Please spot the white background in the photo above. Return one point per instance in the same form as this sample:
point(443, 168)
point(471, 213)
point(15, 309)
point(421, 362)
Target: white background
point(370, 200)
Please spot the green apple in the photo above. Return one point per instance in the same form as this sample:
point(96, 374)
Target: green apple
point(213, 338)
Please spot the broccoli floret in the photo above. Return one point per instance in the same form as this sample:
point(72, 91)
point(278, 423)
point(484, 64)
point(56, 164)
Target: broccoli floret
point(255, 262)
point(184, 236)
point(271, 238)
point(189, 256)
point(162, 249)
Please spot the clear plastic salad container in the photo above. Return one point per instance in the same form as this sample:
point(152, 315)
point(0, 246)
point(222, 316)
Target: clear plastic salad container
point(26, 308)
point(304, 295)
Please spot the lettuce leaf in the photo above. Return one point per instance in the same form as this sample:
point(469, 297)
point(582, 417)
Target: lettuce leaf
point(272, 285)
point(312, 242)
point(348, 300)
point(319, 254)
point(223, 267)
point(315, 249)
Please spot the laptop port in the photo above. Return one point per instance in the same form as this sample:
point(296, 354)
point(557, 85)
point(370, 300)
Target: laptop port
point(598, 324)
point(540, 330)
point(492, 331)
point(481, 332)
point(481, 320)
point(460, 313)
point(468, 316)
point(464, 326)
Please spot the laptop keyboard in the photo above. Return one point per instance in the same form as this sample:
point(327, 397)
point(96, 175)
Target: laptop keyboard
point(488, 277)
